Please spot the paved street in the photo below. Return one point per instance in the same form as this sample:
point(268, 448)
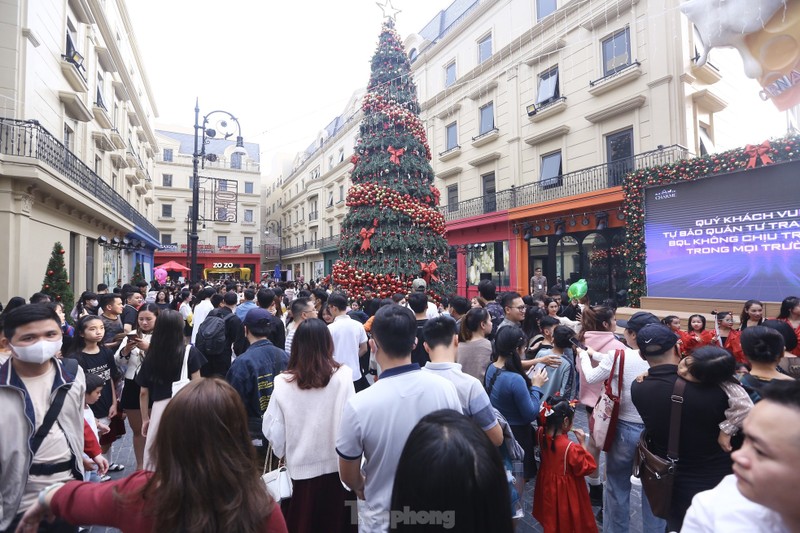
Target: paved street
point(123, 454)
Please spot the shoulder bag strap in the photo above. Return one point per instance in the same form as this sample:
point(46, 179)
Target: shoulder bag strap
point(185, 367)
point(49, 418)
point(491, 382)
point(621, 355)
point(675, 419)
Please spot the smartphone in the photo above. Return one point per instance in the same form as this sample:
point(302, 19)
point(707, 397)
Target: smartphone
point(575, 342)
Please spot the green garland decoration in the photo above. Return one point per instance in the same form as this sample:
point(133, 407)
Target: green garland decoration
point(779, 151)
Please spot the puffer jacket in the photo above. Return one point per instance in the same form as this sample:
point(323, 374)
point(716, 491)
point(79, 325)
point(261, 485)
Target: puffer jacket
point(603, 342)
point(16, 421)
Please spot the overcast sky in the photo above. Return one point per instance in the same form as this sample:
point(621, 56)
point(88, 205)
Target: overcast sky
point(284, 68)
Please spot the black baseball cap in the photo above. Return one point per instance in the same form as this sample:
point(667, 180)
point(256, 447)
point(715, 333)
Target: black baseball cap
point(638, 321)
point(655, 339)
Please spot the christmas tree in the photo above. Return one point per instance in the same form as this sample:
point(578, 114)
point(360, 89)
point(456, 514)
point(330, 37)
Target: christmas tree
point(138, 274)
point(393, 231)
point(56, 280)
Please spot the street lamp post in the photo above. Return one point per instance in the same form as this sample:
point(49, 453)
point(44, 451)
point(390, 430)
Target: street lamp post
point(276, 225)
point(224, 129)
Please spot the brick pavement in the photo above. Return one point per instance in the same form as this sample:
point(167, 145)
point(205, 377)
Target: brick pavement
point(123, 454)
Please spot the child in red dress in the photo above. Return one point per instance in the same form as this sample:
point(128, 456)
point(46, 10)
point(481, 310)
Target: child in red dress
point(696, 335)
point(561, 500)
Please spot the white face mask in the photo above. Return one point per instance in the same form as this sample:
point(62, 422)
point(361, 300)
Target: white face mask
point(93, 303)
point(37, 353)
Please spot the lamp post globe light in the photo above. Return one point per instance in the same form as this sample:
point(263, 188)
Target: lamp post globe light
point(225, 125)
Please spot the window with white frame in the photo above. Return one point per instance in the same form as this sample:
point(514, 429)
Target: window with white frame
point(166, 238)
point(166, 209)
point(450, 74)
point(484, 48)
point(248, 187)
point(551, 169)
point(236, 160)
point(222, 240)
point(451, 136)
point(168, 155)
point(544, 8)
point(166, 180)
point(248, 215)
point(330, 198)
point(341, 193)
point(486, 118)
point(616, 52)
point(548, 87)
point(248, 245)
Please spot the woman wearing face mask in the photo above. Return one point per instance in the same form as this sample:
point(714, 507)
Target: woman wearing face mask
point(129, 357)
point(87, 304)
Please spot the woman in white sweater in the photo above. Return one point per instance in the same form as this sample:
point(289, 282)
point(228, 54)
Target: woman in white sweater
point(301, 422)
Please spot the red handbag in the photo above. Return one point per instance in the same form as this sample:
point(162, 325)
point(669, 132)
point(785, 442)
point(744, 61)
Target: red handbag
point(603, 422)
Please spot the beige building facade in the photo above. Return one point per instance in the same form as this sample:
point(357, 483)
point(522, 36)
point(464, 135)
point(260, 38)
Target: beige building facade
point(230, 207)
point(76, 144)
point(535, 111)
point(308, 204)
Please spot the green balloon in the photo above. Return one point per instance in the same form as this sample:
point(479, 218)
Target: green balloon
point(578, 289)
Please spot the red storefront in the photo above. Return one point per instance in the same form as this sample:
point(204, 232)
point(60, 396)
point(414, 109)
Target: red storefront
point(216, 262)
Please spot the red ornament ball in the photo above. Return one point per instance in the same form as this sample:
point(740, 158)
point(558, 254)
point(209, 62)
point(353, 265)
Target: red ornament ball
point(49, 272)
point(62, 252)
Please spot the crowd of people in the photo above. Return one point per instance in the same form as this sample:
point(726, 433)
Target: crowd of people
point(389, 414)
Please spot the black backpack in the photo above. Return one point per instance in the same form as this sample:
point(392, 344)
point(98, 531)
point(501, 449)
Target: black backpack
point(211, 338)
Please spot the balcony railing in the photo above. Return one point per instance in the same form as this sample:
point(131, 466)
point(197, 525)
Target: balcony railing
point(30, 139)
point(139, 162)
point(271, 251)
point(579, 182)
point(328, 242)
point(313, 216)
point(295, 249)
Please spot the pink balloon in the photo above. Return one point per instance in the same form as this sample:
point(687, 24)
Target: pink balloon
point(160, 275)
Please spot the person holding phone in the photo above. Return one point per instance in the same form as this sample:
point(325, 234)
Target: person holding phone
point(129, 357)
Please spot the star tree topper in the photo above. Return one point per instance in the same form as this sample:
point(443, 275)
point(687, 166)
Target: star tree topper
point(389, 11)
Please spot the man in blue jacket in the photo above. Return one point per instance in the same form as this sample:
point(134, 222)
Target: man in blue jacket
point(252, 374)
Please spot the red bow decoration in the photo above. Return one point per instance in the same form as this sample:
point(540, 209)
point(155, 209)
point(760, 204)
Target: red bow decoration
point(429, 271)
point(396, 153)
point(365, 235)
point(756, 152)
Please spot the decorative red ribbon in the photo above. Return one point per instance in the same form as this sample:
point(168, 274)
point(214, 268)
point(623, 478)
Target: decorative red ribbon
point(429, 271)
point(756, 152)
point(396, 153)
point(365, 234)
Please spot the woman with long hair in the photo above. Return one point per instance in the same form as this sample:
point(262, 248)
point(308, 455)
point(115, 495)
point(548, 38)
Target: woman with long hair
point(790, 313)
point(752, 314)
point(727, 337)
point(513, 393)
point(161, 367)
point(532, 329)
point(162, 299)
point(203, 482)
point(301, 422)
point(552, 306)
point(130, 356)
point(474, 349)
point(598, 324)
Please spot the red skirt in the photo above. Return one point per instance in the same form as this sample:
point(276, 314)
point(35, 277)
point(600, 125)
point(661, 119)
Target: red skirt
point(318, 504)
